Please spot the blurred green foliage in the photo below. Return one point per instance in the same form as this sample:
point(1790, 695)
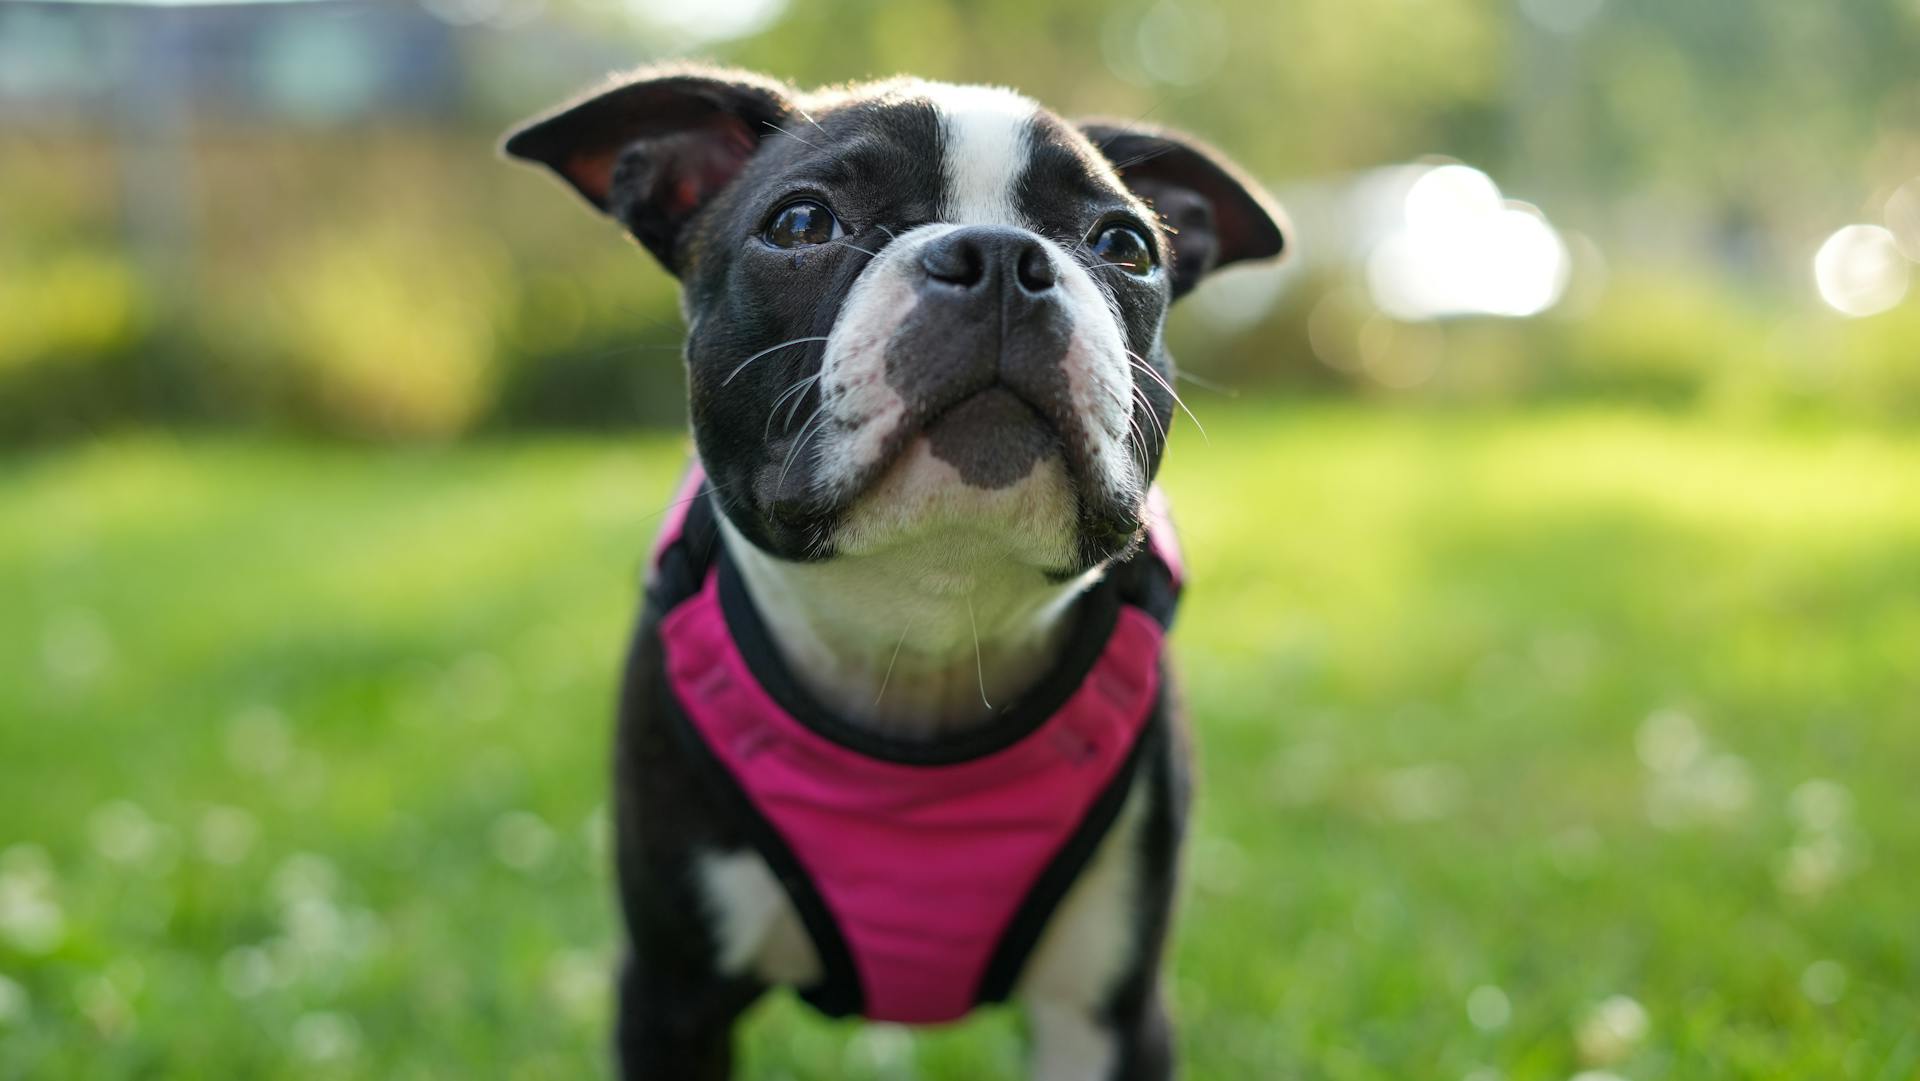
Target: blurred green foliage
point(388, 277)
point(1581, 740)
point(382, 284)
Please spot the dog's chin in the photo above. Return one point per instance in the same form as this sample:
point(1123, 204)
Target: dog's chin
point(993, 476)
point(933, 490)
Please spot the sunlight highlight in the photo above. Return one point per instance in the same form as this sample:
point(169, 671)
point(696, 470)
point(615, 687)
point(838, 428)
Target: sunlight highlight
point(1464, 250)
point(1860, 271)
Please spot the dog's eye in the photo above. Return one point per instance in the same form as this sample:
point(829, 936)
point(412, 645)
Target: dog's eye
point(1124, 246)
point(797, 225)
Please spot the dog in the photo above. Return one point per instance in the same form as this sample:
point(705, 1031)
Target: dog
point(895, 729)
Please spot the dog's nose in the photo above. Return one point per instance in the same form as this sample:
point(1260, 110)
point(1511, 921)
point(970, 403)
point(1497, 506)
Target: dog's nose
point(984, 256)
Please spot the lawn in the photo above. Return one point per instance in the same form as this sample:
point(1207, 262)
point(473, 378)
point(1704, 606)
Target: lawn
point(1530, 745)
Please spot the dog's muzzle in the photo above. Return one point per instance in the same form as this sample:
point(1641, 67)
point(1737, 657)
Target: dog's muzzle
point(979, 361)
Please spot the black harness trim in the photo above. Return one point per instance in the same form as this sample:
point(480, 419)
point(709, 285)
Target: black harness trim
point(1036, 909)
point(838, 994)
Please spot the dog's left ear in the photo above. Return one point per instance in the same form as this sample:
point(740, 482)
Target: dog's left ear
point(655, 148)
point(1215, 214)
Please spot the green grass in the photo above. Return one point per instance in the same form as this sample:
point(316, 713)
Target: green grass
point(302, 756)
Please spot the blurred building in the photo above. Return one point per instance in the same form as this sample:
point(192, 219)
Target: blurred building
point(319, 60)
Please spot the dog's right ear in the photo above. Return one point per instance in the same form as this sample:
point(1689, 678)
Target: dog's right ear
point(651, 151)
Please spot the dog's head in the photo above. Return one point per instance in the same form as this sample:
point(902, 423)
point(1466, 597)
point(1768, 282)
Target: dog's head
point(914, 306)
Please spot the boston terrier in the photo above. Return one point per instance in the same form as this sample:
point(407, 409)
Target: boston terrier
point(895, 729)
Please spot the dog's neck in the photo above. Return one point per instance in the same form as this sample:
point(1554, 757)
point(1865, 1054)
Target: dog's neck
point(914, 642)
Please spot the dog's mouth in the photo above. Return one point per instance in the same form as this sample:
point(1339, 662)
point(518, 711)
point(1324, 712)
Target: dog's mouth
point(993, 437)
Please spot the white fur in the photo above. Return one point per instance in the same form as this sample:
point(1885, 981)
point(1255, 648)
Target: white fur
point(1069, 1044)
point(757, 928)
point(1083, 953)
point(987, 131)
point(888, 638)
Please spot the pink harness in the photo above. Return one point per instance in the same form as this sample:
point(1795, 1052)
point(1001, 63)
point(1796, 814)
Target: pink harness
point(924, 874)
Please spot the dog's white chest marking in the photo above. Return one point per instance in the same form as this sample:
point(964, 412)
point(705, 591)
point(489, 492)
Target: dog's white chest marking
point(754, 923)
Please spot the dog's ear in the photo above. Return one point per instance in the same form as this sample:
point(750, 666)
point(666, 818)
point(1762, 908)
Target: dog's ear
point(652, 150)
point(1215, 214)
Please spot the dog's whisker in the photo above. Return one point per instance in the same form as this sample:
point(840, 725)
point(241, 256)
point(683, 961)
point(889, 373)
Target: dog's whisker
point(1137, 443)
point(795, 392)
point(797, 386)
point(859, 249)
point(808, 142)
point(979, 666)
point(817, 446)
point(793, 411)
point(891, 661)
point(769, 349)
point(1152, 417)
point(1141, 159)
point(1147, 408)
point(794, 450)
point(1168, 387)
point(671, 504)
point(1139, 119)
point(807, 431)
point(808, 117)
point(1207, 384)
point(891, 235)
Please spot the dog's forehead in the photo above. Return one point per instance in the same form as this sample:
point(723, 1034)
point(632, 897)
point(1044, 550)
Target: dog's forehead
point(1003, 159)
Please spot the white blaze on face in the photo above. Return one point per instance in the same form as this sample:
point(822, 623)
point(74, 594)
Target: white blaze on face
point(986, 132)
point(986, 135)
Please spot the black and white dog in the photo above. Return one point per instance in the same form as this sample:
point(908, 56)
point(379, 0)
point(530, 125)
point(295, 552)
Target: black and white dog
point(929, 394)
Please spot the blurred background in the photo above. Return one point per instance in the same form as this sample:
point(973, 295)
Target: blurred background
point(1556, 530)
point(289, 216)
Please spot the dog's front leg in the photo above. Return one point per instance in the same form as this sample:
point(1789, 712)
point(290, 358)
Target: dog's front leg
point(1093, 991)
point(1071, 1044)
point(676, 1033)
point(1093, 996)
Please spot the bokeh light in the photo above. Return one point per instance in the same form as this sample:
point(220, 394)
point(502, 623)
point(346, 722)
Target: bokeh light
point(1860, 271)
point(1465, 250)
